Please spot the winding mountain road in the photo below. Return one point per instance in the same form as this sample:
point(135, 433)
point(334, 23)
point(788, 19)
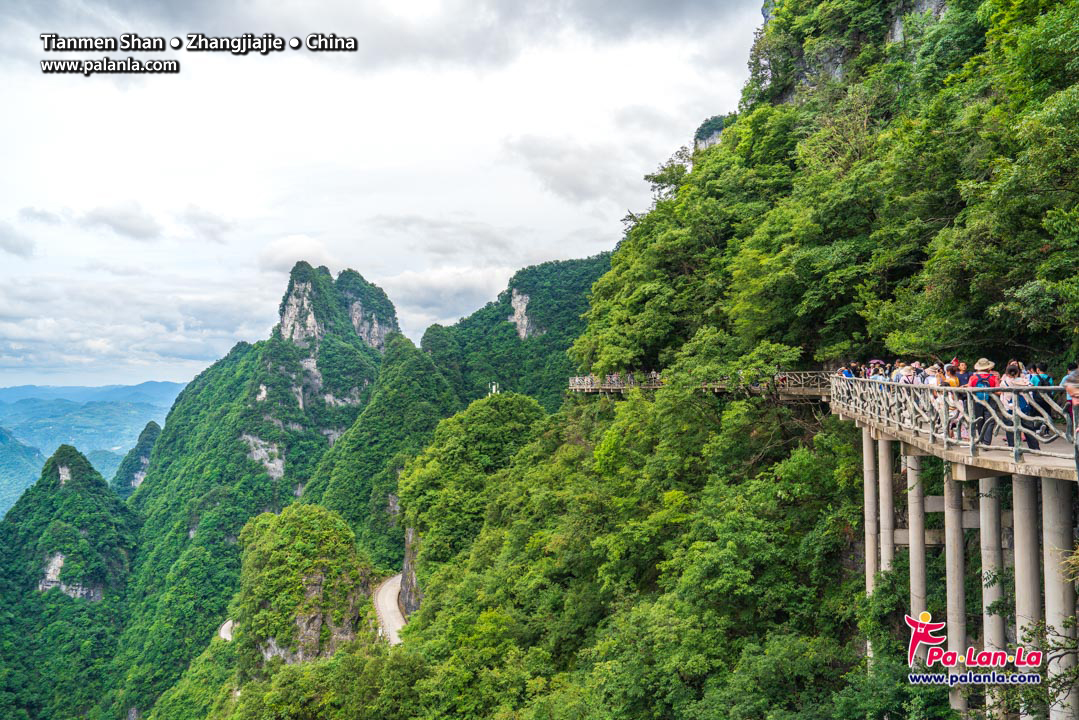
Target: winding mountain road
point(390, 618)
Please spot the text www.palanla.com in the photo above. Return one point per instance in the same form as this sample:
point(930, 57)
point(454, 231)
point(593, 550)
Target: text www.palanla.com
point(109, 65)
point(975, 678)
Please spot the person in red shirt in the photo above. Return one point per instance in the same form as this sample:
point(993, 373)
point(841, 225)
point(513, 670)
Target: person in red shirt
point(984, 425)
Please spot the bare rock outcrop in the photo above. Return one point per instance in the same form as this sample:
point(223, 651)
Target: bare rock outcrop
point(54, 564)
point(267, 453)
point(525, 327)
point(368, 327)
point(411, 595)
point(298, 321)
point(318, 633)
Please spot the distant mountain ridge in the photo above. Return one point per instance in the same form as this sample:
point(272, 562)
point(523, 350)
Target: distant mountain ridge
point(20, 466)
point(96, 425)
point(152, 392)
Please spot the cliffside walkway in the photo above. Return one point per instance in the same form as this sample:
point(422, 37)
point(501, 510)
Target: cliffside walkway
point(935, 420)
point(976, 432)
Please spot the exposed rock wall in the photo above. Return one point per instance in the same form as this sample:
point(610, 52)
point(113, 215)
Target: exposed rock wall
point(54, 564)
point(267, 453)
point(896, 33)
point(411, 595)
point(525, 327)
point(298, 321)
point(318, 632)
point(368, 327)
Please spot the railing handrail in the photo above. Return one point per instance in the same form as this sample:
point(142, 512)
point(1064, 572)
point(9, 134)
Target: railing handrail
point(966, 417)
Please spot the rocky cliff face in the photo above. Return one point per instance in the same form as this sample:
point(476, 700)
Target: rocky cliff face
point(368, 327)
point(54, 565)
point(298, 322)
point(525, 327)
point(916, 7)
point(411, 595)
point(320, 630)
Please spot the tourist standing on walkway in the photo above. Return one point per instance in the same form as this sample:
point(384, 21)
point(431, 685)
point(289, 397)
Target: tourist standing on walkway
point(982, 377)
point(1016, 404)
point(964, 376)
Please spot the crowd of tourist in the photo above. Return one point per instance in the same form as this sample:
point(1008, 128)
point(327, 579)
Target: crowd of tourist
point(973, 412)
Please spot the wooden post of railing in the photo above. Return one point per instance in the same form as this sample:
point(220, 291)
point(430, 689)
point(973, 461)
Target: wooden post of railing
point(1017, 437)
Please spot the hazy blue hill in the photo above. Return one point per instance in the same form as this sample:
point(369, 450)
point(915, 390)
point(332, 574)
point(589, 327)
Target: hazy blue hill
point(96, 425)
point(20, 466)
point(152, 392)
point(105, 462)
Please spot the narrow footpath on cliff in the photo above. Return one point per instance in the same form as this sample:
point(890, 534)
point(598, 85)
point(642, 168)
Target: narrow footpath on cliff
point(388, 609)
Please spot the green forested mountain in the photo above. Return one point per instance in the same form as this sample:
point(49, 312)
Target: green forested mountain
point(358, 476)
point(20, 466)
point(520, 340)
point(131, 470)
point(240, 440)
point(68, 546)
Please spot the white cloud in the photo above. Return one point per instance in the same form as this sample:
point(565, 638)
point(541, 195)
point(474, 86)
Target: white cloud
point(129, 220)
point(281, 254)
point(463, 141)
point(14, 242)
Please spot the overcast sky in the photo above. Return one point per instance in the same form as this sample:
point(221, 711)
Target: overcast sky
point(148, 223)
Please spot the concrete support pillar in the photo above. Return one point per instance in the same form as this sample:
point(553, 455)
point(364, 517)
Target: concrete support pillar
point(869, 478)
point(887, 504)
point(916, 535)
point(992, 591)
point(1028, 576)
point(869, 471)
point(992, 561)
point(954, 564)
point(1057, 541)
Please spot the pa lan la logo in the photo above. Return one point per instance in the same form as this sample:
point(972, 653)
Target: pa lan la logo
point(922, 632)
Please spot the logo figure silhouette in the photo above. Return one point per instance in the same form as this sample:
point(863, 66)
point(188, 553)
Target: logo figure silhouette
point(921, 633)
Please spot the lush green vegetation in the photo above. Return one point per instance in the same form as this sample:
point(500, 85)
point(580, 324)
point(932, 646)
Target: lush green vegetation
point(485, 347)
point(126, 476)
point(358, 476)
point(20, 466)
point(925, 202)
